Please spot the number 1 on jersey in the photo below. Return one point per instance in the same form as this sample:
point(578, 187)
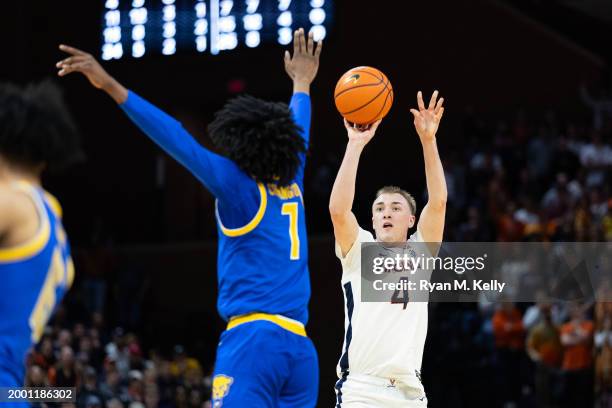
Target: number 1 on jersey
point(291, 209)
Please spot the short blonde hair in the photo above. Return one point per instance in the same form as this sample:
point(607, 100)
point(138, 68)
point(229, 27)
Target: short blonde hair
point(396, 190)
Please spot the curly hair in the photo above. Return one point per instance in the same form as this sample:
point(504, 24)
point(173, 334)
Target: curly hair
point(36, 127)
point(261, 137)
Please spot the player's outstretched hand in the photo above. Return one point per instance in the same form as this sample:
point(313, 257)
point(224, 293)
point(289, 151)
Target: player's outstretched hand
point(426, 120)
point(302, 67)
point(360, 136)
point(86, 64)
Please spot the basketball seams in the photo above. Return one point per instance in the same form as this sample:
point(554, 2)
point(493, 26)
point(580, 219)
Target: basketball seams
point(368, 102)
point(354, 87)
point(390, 93)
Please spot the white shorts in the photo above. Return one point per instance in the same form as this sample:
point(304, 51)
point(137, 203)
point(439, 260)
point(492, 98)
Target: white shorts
point(364, 391)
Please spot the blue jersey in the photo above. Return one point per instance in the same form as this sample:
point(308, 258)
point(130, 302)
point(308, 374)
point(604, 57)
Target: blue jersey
point(263, 255)
point(34, 277)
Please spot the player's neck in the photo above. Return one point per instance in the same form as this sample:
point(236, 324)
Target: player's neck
point(10, 174)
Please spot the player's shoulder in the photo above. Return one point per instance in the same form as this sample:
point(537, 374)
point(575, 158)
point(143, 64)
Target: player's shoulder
point(429, 248)
point(15, 206)
point(12, 200)
point(365, 236)
point(415, 237)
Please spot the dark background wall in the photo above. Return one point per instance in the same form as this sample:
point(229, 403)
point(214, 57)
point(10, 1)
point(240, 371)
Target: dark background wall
point(481, 55)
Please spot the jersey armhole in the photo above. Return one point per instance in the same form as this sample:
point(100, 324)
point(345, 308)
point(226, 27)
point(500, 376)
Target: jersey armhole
point(253, 223)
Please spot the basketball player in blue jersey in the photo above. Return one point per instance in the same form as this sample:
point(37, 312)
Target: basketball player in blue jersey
point(264, 358)
point(36, 133)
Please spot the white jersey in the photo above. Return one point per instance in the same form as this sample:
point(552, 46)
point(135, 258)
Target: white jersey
point(383, 340)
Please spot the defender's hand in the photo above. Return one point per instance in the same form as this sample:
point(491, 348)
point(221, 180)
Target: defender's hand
point(426, 121)
point(80, 61)
point(360, 137)
point(86, 64)
point(302, 67)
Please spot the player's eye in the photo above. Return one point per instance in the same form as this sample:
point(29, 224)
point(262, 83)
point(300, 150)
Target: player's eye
point(378, 209)
point(396, 208)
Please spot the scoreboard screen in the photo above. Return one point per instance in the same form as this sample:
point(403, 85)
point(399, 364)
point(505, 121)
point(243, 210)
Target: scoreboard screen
point(134, 28)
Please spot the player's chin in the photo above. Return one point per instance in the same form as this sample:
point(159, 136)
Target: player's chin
point(387, 235)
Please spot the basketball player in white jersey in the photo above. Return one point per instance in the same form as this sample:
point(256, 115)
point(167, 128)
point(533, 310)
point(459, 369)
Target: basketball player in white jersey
point(383, 347)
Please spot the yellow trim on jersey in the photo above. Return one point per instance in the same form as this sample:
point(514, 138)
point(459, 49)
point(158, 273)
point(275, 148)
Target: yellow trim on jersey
point(54, 204)
point(35, 244)
point(288, 324)
point(236, 232)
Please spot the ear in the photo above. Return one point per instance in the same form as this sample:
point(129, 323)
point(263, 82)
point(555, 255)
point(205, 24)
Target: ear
point(411, 222)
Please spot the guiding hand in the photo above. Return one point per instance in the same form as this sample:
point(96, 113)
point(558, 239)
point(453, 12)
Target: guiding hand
point(426, 121)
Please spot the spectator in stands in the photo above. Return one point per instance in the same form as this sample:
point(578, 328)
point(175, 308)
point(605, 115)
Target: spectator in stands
point(65, 372)
point(135, 389)
point(44, 355)
point(509, 342)
point(603, 365)
point(36, 377)
point(114, 403)
point(601, 105)
point(544, 349)
point(89, 388)
point(535, 313)
point(111, 388)
point(596, 157)
point(181, 363)
point(577, 341)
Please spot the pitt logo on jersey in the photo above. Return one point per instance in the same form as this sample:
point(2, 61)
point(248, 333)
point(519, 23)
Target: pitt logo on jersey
point(220, 388)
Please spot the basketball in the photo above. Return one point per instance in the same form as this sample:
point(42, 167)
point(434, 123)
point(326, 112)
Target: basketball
point(363, 95)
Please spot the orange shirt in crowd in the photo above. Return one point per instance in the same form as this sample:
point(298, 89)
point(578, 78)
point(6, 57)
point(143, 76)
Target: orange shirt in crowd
point(508, 329)
point(578, 356)
point(544, 340)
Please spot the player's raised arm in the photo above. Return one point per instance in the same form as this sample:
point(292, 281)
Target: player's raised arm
point(302, 68)
point(303, 65)
point(426, 121)
point(345, 224)
point(164, 130)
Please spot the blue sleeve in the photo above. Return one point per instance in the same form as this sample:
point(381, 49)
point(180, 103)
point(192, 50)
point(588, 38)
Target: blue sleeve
point(217, 173)
point(300, 108)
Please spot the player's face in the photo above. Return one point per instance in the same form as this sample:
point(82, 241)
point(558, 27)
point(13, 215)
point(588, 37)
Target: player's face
point(391, 218)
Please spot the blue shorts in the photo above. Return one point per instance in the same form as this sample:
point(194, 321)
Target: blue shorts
point(261, 364)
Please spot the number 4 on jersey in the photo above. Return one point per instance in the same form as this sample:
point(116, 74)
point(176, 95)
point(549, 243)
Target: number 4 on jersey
point(403, 299)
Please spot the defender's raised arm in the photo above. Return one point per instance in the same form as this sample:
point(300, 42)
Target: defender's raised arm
point(302, 67)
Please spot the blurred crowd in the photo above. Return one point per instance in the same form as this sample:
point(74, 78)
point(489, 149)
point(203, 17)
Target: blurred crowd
point(544, 182)
point(540, 178)
point(111, 369)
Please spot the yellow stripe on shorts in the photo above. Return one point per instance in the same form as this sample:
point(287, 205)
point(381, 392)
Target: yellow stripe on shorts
point(288, 324)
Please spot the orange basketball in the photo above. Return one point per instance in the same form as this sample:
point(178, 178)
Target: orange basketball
point(363, 95)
